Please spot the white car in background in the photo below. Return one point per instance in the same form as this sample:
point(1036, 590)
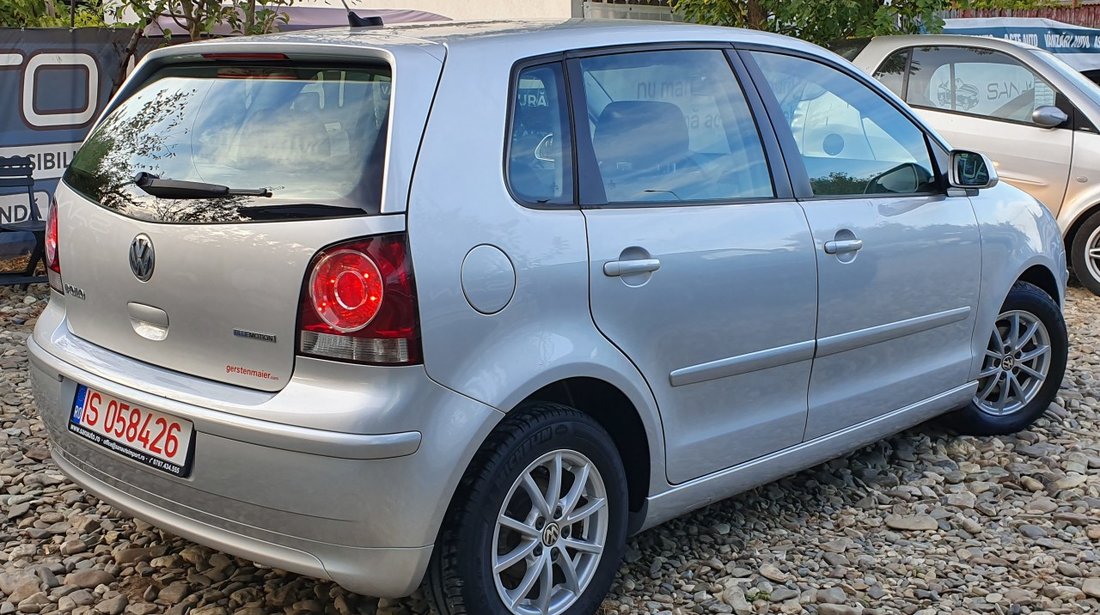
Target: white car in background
point(1030, 112)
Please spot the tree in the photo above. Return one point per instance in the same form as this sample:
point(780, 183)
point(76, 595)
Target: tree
point(197, 17)
point(200, 17)
point(822, 21)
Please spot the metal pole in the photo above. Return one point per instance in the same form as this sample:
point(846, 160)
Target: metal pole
point(72, 14)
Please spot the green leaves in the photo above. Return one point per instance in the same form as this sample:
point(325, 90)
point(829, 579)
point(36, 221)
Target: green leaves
point(200, 17)
point(822, 21)
point(734, 13)
point(49, 14)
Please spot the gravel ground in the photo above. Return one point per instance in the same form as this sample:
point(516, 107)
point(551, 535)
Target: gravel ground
point(925, 522)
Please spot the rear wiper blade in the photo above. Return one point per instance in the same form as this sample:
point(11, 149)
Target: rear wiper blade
point(298, 211)
point(183, 189)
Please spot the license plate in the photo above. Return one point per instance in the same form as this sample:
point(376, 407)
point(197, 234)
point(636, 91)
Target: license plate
point(146, 436)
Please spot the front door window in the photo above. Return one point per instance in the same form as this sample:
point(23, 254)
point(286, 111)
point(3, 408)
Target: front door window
point(852, 141)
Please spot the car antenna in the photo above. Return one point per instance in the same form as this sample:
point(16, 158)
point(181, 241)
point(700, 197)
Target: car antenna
point(356, 21)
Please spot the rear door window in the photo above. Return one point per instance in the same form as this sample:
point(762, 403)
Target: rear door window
point(312, 136)
point(672, 126)
point(979, 82)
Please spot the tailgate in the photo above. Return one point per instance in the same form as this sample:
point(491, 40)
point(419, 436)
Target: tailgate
point(188, 219)
point(222, 302)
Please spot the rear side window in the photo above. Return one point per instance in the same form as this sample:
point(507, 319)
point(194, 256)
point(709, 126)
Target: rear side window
point(540, 165)
point(310, 135)
point(848, 48)
point(671, 126)
point(893, 71)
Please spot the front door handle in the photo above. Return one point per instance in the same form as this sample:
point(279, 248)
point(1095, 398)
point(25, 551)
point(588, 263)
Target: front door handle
point(628, 267)
point(842, 246)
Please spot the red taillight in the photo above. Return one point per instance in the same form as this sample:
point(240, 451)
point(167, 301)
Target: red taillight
point(359, 304)
point(53, 258)
point(346, 290)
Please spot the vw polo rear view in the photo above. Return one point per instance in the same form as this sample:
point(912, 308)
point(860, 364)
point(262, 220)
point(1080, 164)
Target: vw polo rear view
point(471, 303)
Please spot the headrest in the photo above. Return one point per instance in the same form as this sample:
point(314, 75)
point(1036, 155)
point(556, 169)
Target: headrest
point(640, 134)
point(307, 101)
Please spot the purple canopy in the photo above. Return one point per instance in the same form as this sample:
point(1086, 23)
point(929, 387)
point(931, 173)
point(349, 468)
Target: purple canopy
point(307, 17)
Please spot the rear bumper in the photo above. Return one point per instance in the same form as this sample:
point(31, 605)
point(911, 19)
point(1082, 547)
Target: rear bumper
point(387, 572)
point(361, 509)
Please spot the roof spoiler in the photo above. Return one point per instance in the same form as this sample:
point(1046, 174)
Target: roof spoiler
point(356, 21)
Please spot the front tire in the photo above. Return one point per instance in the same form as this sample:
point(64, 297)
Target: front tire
point(1084, 254)
point(538, 524)
point(1024, 362)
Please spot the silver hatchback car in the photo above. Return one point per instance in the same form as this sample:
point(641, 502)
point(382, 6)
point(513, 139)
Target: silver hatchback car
point(471, 303)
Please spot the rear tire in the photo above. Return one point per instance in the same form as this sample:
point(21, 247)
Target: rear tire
point(1025, 360)
point(1084, 253)
point(545, 499)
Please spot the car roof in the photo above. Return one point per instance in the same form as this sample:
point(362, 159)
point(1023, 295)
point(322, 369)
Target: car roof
point(927, 40)
point(521, 37)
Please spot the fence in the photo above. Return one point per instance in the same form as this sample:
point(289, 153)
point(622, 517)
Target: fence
point(655, 10)
point(1082, 15)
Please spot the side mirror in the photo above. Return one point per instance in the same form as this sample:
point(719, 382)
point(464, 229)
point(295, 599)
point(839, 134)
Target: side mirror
point(1049, 116)
point(971, 170)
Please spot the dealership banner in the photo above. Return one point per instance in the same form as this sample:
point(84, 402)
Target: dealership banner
point(53, 84)
point(1077, 45)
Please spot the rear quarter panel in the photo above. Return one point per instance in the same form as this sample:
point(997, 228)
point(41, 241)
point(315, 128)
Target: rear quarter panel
point(459, 201)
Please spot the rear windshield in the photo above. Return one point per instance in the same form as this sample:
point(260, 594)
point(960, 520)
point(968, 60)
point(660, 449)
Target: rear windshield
point(311, 136)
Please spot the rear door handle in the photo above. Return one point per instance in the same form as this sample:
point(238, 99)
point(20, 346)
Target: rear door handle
point(840, 246)
point(628, 267)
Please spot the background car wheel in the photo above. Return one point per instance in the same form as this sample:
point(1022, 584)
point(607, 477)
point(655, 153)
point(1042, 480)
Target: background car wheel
point(1085, 254)
point(538, 525)
point(1025, 360)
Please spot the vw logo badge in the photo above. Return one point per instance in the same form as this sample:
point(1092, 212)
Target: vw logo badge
point(550, 534)
point(141, 257)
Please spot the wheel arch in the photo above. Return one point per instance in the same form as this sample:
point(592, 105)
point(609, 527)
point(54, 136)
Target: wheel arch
point(1076, 222)
point(1042, 277)
point(617, 414)
point(638, 441)
point(1039, 270)
point(1036, 389)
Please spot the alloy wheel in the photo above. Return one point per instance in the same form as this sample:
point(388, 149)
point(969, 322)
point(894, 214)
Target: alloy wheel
point(550, 534)
point(1016, 363)
point(1092, 254)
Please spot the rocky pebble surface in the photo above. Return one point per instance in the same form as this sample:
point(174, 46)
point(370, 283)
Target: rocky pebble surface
point(923, 523)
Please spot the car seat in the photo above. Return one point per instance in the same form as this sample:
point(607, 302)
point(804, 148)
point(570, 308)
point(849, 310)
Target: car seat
point(642, 148)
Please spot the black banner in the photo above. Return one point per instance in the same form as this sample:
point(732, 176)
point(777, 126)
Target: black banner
point(53, 85)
